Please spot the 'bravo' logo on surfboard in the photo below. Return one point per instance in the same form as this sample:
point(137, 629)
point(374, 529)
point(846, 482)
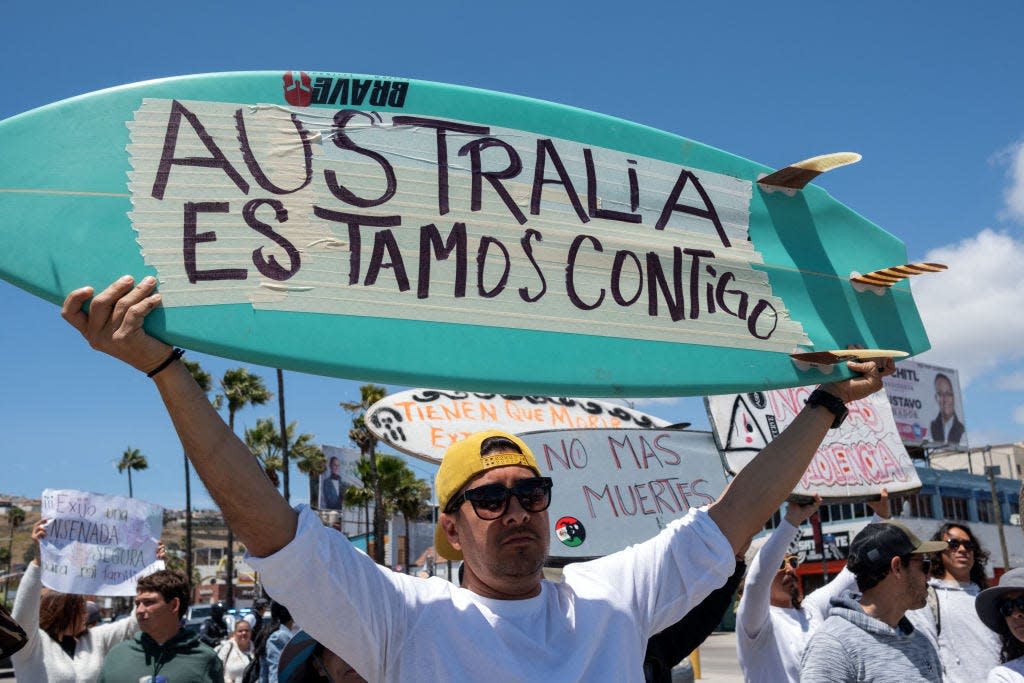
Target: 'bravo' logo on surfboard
point(297, 91)
point(301, 91)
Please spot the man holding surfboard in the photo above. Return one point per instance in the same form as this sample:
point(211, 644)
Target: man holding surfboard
point(507, 622)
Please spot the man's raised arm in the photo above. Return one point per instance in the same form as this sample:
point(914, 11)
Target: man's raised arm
point(760, 487)
point(233, 477)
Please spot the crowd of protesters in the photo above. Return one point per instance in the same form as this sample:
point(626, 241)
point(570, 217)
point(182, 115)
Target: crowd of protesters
point(904, 609)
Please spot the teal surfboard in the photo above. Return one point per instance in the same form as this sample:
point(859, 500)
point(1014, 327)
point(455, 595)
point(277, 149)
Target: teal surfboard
point(418, 233)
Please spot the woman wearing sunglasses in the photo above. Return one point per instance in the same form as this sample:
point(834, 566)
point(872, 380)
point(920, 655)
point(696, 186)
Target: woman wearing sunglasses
point(1002, 610)
point(968, 651)
point(773, 623)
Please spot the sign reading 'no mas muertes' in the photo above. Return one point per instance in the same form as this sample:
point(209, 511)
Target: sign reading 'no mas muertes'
point(97, 544)
point(617, 487)
point(854, 462)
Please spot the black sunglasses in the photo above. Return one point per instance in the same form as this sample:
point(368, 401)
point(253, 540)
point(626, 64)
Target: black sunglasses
point(955, 543)
point(1007, 606)
point(490, 501)
point(926, 562)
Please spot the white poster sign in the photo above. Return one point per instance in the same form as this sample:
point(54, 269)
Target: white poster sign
point(617, 487)
point(424, 422)
point(927, 404)
point(97, 544)
point(854, 462)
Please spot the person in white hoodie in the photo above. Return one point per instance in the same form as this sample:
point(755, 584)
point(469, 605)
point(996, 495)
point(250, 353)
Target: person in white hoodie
point(967, 649)
point(773, 624)
point(60, 648)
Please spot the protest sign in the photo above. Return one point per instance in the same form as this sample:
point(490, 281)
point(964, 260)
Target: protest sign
point(618, 487)
point(853, 462)
point(424, 422)
point(97, 544)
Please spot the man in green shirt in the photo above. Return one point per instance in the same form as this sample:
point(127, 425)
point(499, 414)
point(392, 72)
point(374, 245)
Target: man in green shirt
point(163, 651)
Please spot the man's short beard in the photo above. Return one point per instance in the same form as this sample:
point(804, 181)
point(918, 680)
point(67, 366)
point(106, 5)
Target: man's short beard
point(794, 597)
point(518, 569)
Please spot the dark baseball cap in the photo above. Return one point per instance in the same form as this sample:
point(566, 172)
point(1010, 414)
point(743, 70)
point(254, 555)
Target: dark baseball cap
point(877, 543)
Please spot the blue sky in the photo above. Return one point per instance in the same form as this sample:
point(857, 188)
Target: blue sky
point(925, 91)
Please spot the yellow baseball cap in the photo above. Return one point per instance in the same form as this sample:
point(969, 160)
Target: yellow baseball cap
point(463, 461)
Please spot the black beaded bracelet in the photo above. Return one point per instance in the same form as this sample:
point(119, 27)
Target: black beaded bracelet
point(174, 355)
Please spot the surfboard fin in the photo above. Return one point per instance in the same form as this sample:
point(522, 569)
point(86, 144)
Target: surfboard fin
point(796, 176)
point(887, 277)
point(843, 355)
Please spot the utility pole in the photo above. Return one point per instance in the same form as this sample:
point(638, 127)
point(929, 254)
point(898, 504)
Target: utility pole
point(990, 471)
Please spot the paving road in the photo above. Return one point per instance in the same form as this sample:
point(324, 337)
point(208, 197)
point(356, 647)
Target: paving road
point(718, 659)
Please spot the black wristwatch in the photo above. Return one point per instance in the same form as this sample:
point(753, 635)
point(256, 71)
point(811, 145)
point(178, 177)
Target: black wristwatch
point(831, 403)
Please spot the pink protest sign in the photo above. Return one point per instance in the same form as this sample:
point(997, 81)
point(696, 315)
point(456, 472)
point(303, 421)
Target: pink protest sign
point(854, 462)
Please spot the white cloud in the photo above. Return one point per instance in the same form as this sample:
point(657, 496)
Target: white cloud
point(1015, 192)
point(974, 312)
point(1018, 415)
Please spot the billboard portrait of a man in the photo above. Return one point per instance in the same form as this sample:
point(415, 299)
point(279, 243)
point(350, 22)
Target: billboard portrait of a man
point(332, 488)
point(946, 427)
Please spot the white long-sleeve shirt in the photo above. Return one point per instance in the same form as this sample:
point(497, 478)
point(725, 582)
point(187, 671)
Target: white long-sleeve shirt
point(968, 649)
point(43, 659)
point(770, 640)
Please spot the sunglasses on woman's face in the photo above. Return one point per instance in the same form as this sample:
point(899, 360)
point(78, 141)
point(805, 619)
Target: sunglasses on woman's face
point(955, 544)
point(1007, 606)
point(792, 561)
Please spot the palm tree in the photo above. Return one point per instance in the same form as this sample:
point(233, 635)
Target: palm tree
point(15, 518)
point(131, 459)
point(311, 461)
point(411, 501)
point(367, 443)
point(396, 484)
point(205, 382)
point(263, 440)
point(391, 473)
point(239, 388)
point(362, 496)
point(285, 450)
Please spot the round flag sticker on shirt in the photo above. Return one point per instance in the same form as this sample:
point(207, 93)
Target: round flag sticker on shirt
point(570, 531)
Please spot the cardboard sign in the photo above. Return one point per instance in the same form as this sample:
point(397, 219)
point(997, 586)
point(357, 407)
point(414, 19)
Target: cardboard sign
point(617, 487)
point(424, 422)
point(420, 233)
point(854, 462)
point(927, 404)
point(97, 544)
